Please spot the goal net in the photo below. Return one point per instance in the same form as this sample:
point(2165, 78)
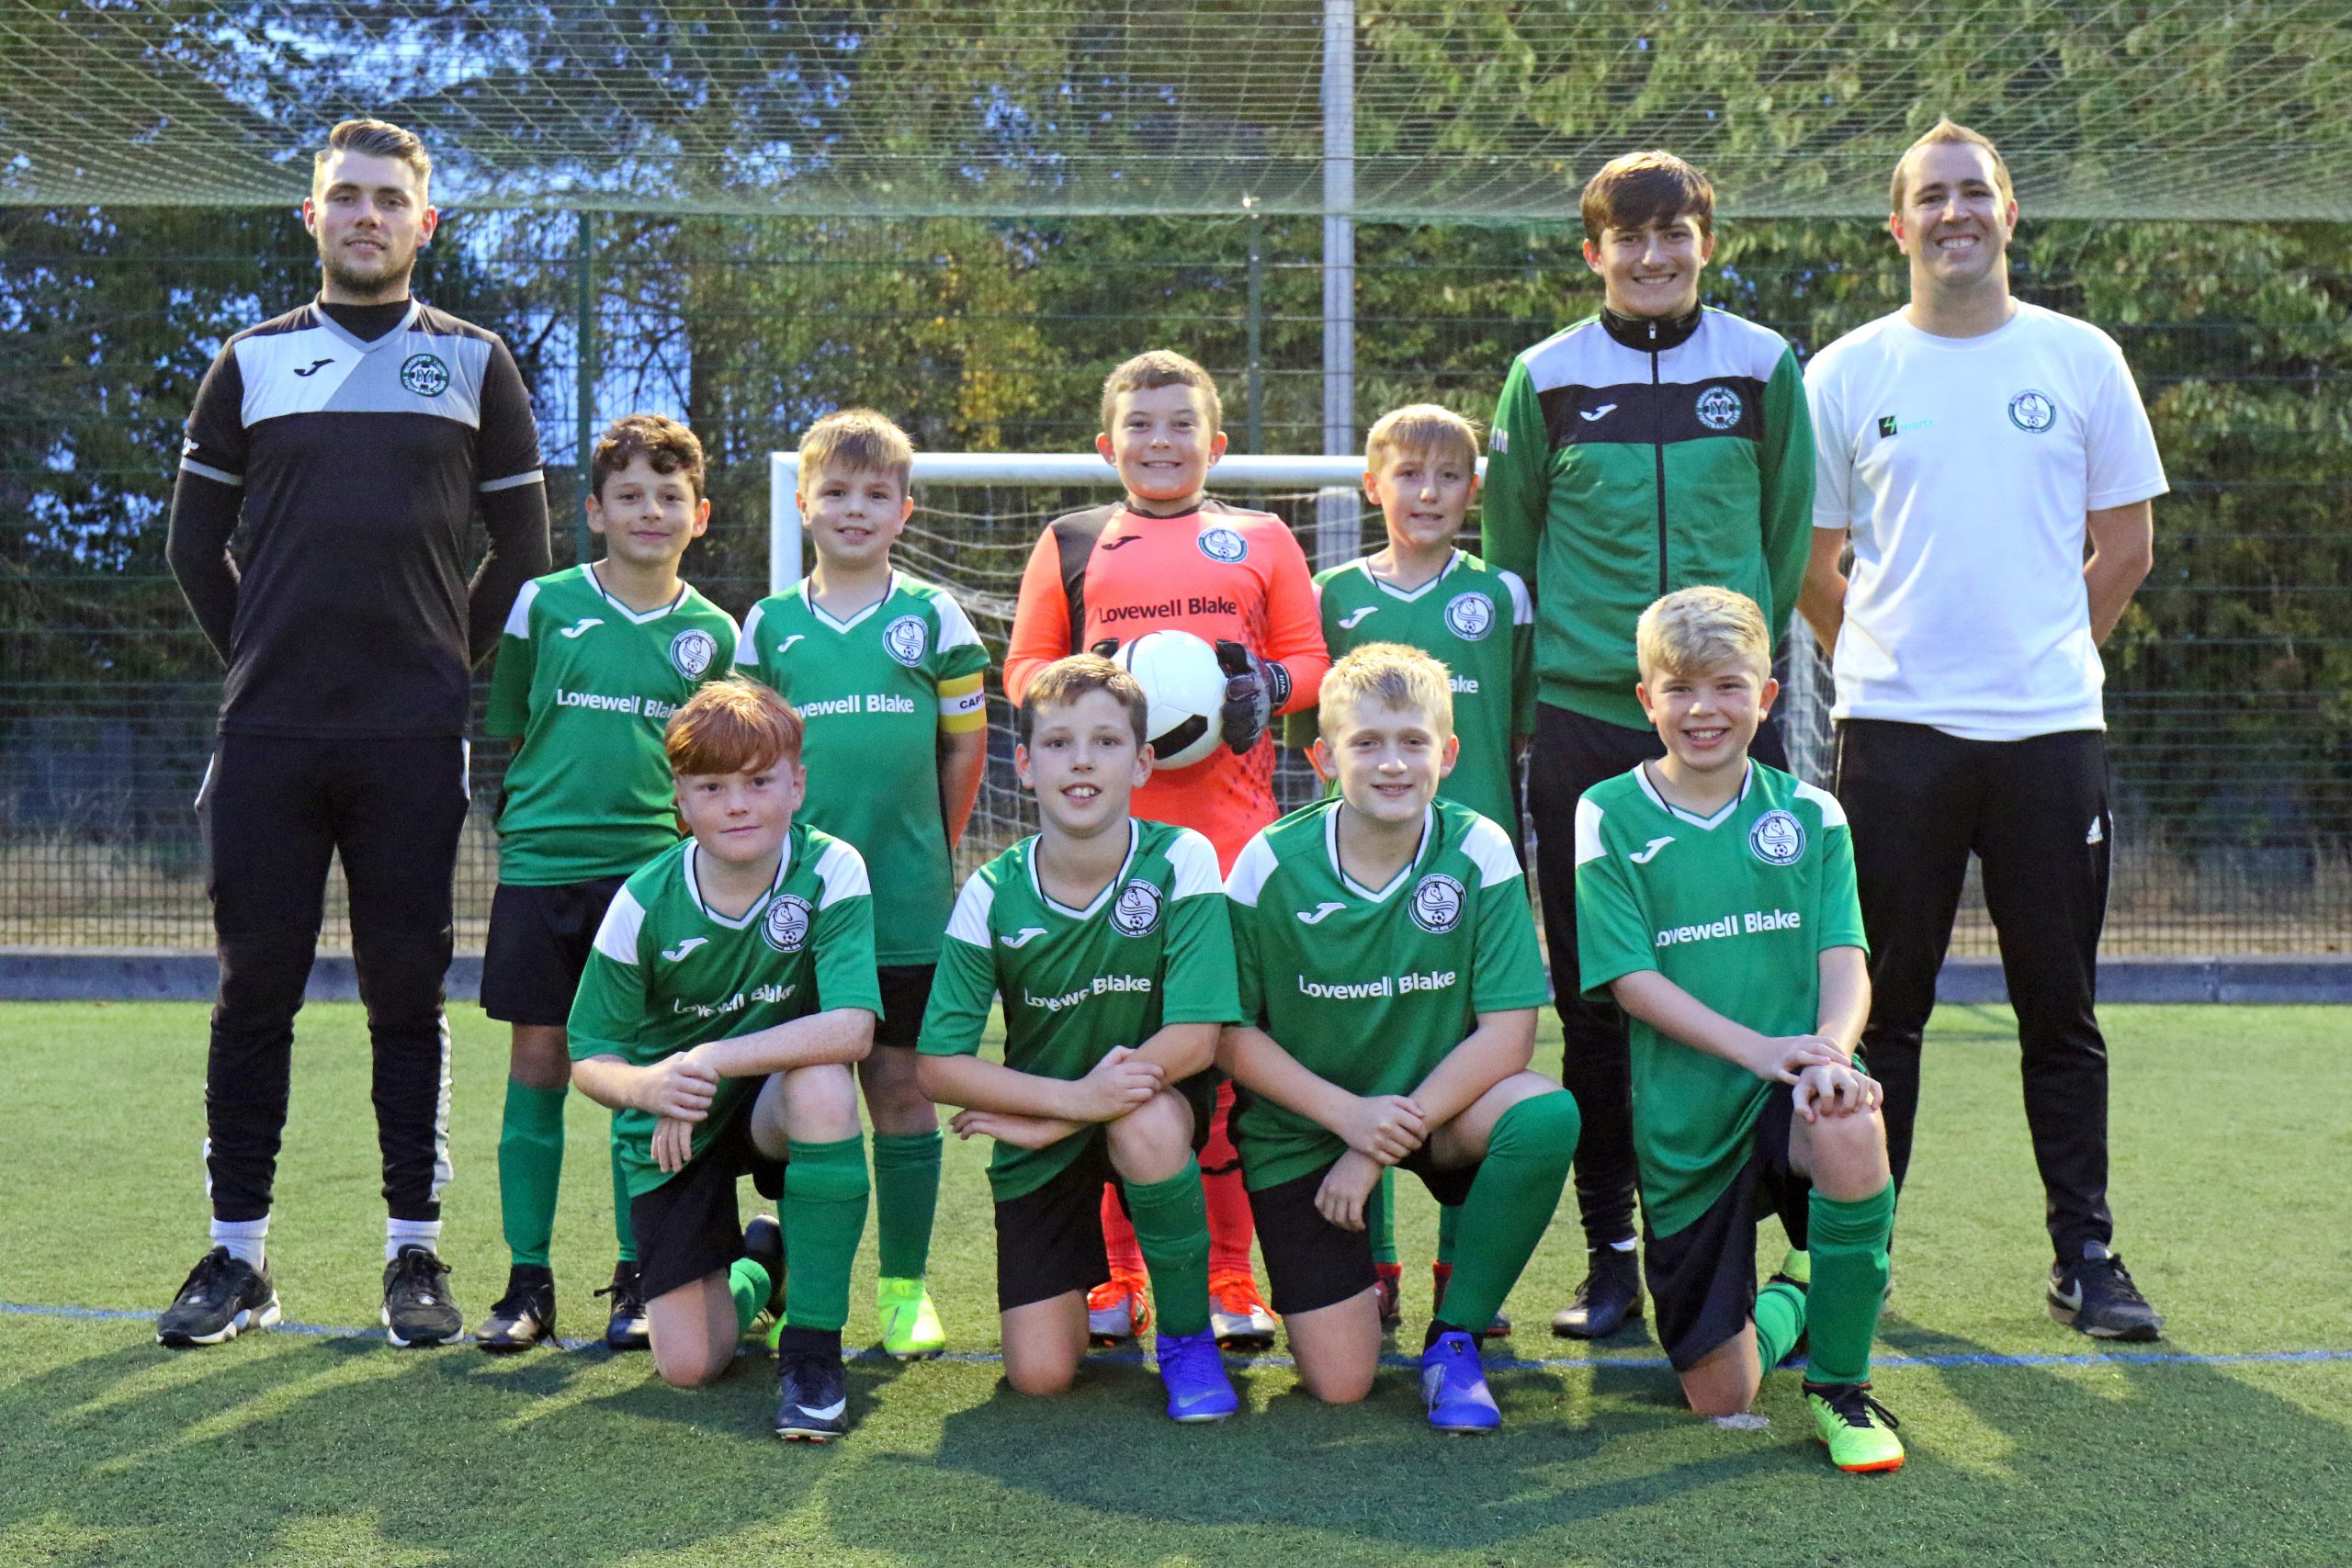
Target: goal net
point(978, 515)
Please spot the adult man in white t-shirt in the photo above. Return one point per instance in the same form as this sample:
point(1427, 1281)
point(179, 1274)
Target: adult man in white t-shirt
point(1970, 444)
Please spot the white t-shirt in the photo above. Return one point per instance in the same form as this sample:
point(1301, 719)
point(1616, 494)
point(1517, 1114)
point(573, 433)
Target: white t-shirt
point(1963, 467)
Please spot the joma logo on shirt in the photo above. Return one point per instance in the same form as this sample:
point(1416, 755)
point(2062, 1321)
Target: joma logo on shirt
point(1752, 923)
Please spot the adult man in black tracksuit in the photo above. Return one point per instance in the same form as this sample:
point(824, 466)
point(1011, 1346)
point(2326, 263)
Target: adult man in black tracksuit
point(356, 438)
point(1655, 446)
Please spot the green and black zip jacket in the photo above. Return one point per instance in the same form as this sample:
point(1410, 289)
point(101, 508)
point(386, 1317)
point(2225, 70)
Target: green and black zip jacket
point(1633, 457)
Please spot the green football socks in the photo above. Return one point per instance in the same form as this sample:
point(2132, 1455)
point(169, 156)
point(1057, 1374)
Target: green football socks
point(621, 1232)
point(1510, 1203)
point(1780, 1321)
point(530, 1167)
point(823, 1211)
point(1380, 1217)
point(1171, 1220)
point(1449, 1226)
point(1849, 1243)
point(749, 1283)
point(906, 1200)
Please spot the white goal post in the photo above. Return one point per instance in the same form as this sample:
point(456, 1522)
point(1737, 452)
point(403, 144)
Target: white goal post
point(974, 471)
point(1336, 482)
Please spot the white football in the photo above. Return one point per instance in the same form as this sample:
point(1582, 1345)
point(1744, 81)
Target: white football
point(1184, 688)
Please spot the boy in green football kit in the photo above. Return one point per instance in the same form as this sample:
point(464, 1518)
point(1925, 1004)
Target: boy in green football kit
point(730, 990)
point(1389, 982)
point(1421, 470)
point(887, 672)
point(1107, 940)
point(593, 662)
point(1716, 905)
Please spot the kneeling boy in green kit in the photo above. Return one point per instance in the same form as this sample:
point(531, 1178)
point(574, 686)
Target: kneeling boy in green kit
point(730, 991)
point(1715, 903)
point(1389, 982)
point(1106, 938)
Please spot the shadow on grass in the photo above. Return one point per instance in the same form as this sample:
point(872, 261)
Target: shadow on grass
point(341, 1450)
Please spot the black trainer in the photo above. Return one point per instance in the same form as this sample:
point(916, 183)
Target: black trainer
point(627, 1330)
point(814, 1407)
point(763, 1244)
point(223, 1297)
point(417, 1308)
point(524, 1316)
point(2097, 1298)
point(1609, 1297)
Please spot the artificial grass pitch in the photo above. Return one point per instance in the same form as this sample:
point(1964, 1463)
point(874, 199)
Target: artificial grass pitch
point(2233, 1135)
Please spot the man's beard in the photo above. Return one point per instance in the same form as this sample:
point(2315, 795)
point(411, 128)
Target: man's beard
point(380, 289)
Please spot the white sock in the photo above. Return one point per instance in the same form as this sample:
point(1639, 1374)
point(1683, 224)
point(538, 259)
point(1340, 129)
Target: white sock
point(410, 1233)
point(247, 1240)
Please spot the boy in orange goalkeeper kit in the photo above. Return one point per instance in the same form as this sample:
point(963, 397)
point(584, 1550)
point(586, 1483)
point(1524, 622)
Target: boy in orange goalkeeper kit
point(1169, 557)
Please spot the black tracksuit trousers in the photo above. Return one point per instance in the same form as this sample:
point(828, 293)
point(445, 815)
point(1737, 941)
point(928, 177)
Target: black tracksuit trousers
point(1572, 753)
point(2035, 813)
point(276, 810)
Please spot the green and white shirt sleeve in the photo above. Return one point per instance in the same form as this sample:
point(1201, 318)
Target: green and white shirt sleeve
point(510, 679)
point(964, 983)
point(1612, 936)
point(1517, 494)
point(1786, 461)
point(1198, 982)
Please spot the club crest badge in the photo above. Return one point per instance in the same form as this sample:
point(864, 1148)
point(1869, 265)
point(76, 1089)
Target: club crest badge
point(1438, 901)
point(1778, 838)
point(424, 374)
point(1136, 912)
point(1470, 617)
point(785, 927)
point(692, 651)
point(2033, 412)
point(1225, 545)
point(1719, 408)
point(906, 639)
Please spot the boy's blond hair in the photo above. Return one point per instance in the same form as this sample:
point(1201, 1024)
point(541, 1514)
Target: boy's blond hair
point(1694, 630)
point(1155, 369)
point(1391, 675)
point(861, 441)
point(1421, 427)
point(1063, 681)
point(732, 725)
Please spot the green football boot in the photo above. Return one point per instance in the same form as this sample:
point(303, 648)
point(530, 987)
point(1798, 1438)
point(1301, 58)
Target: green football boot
point(1858, 1428)
point(910, 1330)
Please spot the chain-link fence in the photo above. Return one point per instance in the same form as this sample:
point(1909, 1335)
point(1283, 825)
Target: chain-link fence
point(2229, 684)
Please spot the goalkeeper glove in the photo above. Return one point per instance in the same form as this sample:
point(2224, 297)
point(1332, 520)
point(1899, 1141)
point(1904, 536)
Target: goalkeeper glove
point(1254, 690)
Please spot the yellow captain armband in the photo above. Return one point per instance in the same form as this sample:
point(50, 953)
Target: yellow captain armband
point(963, 704)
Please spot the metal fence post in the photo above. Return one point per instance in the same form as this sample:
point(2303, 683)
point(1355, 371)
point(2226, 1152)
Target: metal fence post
point(583, 334)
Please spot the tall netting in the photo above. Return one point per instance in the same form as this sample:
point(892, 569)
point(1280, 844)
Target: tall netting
point(2109, 108)
point(2230, 682)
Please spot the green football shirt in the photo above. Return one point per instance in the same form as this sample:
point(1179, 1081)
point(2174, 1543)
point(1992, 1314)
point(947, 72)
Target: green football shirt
point(669, 972)
point(1478, 622)
point(1153, 948)
point(1371, 988)
point(876, 691)
point(1735, 908)
point(586, 685)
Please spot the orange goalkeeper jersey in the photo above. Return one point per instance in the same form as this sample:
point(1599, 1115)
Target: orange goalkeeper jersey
point(1220, 573)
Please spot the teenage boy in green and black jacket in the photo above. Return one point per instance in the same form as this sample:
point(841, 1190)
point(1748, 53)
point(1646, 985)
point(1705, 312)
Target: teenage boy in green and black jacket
point(1653, 446)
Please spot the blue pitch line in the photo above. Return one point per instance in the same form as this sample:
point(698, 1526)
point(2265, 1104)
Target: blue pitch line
point(1548, 1364)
